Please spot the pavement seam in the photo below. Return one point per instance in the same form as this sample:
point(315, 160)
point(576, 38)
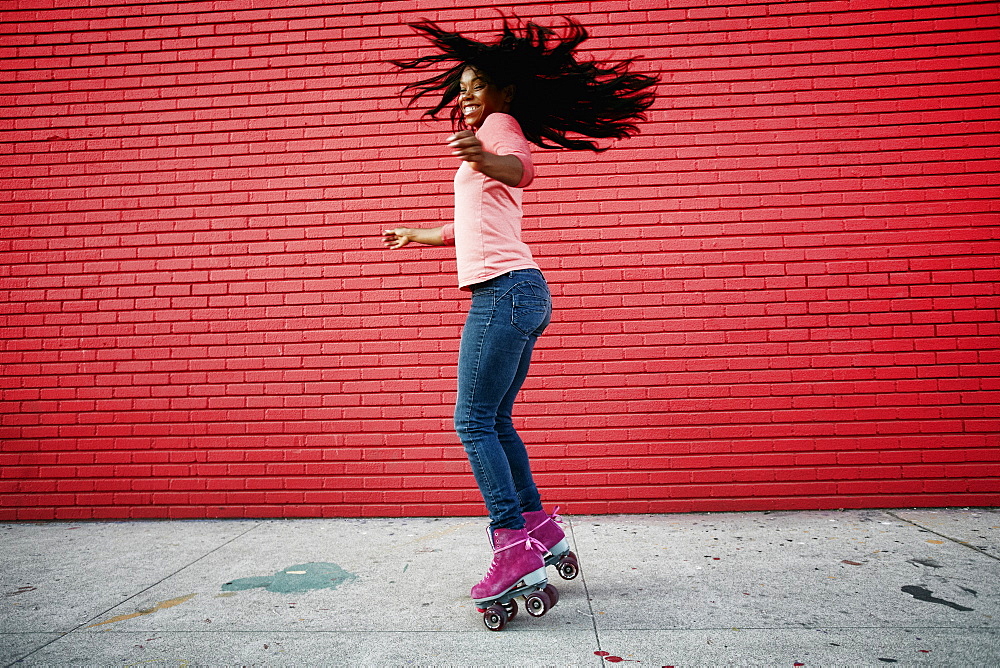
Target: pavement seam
point(946, 537)
point(138, 593)
point(586, 592)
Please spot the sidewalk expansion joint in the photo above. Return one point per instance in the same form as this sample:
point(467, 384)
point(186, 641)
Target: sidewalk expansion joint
point(586, 593)
point(946, 537)
point(138, 593)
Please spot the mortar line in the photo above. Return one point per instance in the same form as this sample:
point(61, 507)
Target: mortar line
point(126, 600)
point(937, 533)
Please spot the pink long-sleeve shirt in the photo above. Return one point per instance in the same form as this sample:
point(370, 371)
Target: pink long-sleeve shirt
point(487, 228)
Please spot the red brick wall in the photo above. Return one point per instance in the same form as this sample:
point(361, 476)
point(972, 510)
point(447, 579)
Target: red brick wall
point(781, 295)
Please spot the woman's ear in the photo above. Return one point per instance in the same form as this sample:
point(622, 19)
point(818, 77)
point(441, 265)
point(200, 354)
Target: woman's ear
point(508, 93)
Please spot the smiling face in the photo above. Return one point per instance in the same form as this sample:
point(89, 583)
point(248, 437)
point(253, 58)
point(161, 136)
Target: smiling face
point(478, 97)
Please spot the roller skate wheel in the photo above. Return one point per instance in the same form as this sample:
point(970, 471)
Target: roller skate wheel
point(568, 567)
point(537, 604)
point(510, 607)
point(553, 595)
point(495, 618)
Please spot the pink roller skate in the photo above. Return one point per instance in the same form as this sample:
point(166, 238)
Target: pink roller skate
point(517, 570)
point(545, 529)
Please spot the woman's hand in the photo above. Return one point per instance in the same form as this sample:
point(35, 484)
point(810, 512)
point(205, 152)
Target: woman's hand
point(466, 146)
point(396, 238)
point(400, 236)
point(504, 168)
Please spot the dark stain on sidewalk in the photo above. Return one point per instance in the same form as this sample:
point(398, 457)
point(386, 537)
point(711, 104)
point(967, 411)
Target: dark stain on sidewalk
point(295, 579)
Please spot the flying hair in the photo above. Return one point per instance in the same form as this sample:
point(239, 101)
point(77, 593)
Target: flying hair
point(555, 94)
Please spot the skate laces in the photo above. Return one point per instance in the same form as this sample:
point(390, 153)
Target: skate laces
point(528, 543)
point(539, 545)
point(554, 518)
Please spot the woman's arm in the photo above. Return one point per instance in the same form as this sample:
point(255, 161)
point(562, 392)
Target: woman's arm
point(400, 236)
point(506, 169)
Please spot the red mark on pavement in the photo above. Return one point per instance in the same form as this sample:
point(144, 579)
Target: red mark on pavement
point(613, 659)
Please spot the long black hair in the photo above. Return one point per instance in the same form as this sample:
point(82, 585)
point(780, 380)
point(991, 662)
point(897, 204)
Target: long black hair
point(554, 93)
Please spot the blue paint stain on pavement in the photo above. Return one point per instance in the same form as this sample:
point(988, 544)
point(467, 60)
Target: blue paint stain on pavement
point(295, 579)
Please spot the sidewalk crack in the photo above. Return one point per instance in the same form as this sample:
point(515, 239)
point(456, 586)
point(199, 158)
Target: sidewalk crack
point(63, 634)
point(946, 537)
point(586, 592)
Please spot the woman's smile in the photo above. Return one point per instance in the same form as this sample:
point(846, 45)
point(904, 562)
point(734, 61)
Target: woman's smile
point(478, 97)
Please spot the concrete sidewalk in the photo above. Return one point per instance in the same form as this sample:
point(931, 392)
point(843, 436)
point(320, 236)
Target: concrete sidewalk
point(854, 588)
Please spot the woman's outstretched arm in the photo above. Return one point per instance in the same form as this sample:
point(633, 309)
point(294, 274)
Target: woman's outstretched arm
point(506, 169)
point(400, 236)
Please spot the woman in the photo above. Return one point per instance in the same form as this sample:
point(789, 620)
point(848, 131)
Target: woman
point(526, 86)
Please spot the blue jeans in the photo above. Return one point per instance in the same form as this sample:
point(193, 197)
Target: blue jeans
point(507, 315)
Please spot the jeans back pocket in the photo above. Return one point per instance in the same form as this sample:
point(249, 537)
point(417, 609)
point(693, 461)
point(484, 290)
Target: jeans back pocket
point(531, 313)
